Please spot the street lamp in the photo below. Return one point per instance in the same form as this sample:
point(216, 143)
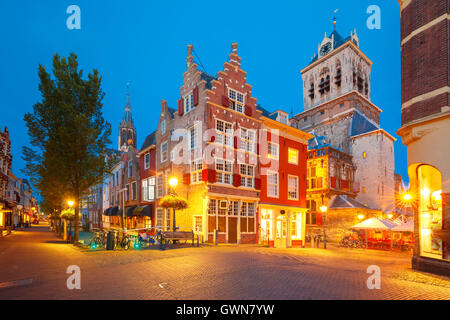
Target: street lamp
point(173, 182)
point(324, 210)
point(407, 197)
point(70, 203)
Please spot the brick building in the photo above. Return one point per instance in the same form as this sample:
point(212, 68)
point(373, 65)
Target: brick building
point(282, 207)
point(338, 109)
point(425, 45)
point(5, 169)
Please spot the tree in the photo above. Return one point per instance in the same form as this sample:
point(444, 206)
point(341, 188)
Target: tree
point(68, 133)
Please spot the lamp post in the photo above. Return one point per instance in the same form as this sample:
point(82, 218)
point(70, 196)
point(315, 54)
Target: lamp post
point(173, 182)
point(324, 210)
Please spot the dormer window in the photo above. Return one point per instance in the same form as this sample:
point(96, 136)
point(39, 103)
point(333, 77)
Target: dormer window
point(237, 100)
point(283, 118)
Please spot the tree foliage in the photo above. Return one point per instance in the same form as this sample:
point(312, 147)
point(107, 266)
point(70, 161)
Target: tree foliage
point(68, 135)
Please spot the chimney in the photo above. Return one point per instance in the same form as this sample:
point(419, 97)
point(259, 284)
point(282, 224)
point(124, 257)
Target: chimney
point(163, 107)
point(234, 57)
point(190, 57)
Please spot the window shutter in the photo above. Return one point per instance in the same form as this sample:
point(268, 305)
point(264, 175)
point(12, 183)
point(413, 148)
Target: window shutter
point(237, 180)
point(205, 175)
point(257, 149)
point(225, 101)
point(248, 111)
point(180, 107)
point(258, 184)
point(195, 93)
point(235, 142)
point(333, 182)
point(187, 178)
point(212, 178)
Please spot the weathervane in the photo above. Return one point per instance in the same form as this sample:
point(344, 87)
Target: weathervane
point(334, 18)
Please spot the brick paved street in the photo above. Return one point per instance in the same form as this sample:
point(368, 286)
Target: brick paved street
point(226, 272)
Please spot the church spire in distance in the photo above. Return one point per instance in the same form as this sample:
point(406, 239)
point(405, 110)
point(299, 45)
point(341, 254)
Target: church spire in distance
point(127, 132)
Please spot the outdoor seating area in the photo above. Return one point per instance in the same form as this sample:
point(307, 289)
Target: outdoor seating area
point(385, 234)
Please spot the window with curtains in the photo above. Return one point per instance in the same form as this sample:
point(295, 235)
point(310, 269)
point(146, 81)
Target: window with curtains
point(148, 189)
point(198, 224)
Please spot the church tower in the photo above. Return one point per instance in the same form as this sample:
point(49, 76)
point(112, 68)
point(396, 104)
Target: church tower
point(337, 108)
point(127, 133)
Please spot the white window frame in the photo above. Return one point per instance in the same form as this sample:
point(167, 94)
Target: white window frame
point(248, 140)
point(222, 171)
point(271, 184)
point(188, 102)
point(159, 186)
point(196, 171)
point(224, 133)
point(193, 137)
point(164, 154)
point(163, 127)
point(198, 229)
point(237, 100)
point(293, 189)
point(247, 173)
point(273, 155)
point(297, 158)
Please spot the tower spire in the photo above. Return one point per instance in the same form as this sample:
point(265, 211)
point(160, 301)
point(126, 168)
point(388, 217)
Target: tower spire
point(127, 132)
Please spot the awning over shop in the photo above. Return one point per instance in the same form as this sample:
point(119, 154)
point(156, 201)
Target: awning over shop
point(114, 211)
point(107, 212)
point(147, 210)
point(129, 211)
point(405, 227)
point(374, 224)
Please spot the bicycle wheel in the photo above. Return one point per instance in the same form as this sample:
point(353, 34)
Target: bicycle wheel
point(126, 243)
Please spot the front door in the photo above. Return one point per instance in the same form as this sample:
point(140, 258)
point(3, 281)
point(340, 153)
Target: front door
point(281, 232)
point(232, 230)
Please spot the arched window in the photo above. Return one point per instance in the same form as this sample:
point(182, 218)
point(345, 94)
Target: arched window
point(338, 76)
point(324, 85)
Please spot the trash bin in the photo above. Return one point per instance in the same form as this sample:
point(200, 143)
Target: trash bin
point(110, 240)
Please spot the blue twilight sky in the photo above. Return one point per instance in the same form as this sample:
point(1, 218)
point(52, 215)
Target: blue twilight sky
point(144, 43)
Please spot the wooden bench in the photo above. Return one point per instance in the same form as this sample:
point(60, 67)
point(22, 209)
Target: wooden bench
point(169, 236)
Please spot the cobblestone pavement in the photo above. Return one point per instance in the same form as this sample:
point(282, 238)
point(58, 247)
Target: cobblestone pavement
point(224, 272)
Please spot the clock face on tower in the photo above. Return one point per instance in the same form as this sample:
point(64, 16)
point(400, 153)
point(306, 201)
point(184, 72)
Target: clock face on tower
point(326, 48)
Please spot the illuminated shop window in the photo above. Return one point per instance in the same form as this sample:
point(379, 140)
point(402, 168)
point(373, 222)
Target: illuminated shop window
point(430, 211)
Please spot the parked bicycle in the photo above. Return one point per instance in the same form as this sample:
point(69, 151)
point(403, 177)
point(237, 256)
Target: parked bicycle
point(98, 240)
point(122, 239)
point(351, 242)
point(146, 240)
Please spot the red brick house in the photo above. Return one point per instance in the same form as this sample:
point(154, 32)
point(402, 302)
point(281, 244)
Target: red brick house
point(283, 159)
point(147, 180)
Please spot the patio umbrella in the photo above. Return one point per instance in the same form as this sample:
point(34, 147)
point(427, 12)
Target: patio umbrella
point(405, 227)
point(375, 224)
